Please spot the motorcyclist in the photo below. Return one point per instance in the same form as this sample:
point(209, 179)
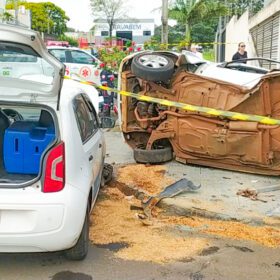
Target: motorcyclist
point(107, 79)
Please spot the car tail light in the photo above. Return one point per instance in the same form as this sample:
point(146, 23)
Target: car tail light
point(55, 169)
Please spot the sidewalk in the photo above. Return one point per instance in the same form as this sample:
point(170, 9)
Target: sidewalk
point(217, 196)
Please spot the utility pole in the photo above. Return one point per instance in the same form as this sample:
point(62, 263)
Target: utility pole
point(16, 11)
point(2, 9)
point(164, 22)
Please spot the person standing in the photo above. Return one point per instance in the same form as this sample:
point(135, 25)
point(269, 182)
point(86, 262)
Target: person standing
point(194, 49)
point(241, 53)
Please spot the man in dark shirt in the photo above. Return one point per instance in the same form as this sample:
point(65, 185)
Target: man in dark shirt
point(241, 53)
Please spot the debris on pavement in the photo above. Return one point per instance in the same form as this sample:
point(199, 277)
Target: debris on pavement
point(148, 179)
point(265, 235)
point(107, 174)
point(252, 194)
point(114, 222)
point(181, 186)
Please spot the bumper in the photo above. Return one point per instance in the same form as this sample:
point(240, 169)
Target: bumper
point(31, 221)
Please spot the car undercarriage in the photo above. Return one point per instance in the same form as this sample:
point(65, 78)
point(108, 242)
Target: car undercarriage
point(157, 133)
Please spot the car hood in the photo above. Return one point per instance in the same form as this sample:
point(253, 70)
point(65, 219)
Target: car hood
point(27, 71)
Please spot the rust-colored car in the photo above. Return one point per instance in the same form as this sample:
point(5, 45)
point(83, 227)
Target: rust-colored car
point(159, 133)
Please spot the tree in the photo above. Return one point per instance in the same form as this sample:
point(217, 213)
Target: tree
point(46, 16)
point(6, 17)
point(111, 10)
point(203, 33)
point(176, 34)
point(191, 12)
point(238, 7)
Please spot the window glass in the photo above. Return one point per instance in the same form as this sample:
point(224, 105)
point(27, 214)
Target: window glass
point(86, 120)
point(93, 115)
point(104, 33)
point(59, 54)
point(81, 57)
point(146, 33)
point(22, 62)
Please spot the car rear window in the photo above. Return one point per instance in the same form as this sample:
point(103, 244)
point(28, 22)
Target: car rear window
point(22, 62)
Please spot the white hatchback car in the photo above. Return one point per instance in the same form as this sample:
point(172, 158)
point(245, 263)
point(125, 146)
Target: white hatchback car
point(52, 150)
point(78, 62)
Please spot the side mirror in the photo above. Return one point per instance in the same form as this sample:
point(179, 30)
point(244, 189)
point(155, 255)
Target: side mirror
point(107, 122)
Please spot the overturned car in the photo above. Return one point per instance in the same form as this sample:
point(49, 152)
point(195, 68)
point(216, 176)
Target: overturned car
point(158, 133)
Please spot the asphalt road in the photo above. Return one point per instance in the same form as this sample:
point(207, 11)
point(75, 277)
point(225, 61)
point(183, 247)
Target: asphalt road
point(228, 260)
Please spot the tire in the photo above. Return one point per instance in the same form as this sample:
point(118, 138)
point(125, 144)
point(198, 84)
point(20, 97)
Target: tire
point(107, 174)
point(153, 156)
point(80, 250)
point(152, 67)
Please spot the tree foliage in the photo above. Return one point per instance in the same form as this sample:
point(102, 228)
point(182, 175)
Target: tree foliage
point(46, 16)
point(6, 17)
point(192, 12)
point(108, 9)
point(238, 7)
point(72, 41)
point(176, 34)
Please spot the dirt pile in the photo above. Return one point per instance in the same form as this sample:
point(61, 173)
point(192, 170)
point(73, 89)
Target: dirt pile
point(151, 179)
point(113, 221)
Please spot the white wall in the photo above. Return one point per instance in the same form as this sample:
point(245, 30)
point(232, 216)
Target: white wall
point(272, 8)
point(2, 7)
point(238, 31)
point(137, 28)
point(24, 17)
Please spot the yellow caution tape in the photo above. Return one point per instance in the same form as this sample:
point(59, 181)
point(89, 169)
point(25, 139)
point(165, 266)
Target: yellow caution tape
point(188, 107)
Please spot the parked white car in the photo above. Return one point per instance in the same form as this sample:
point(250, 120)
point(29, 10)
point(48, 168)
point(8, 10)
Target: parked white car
point(78, 62)
point(52, 150)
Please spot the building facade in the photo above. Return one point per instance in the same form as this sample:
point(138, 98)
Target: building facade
point(137, 30)
point(261, 34)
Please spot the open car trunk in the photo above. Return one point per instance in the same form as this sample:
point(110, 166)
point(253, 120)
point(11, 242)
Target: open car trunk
point(26, 133)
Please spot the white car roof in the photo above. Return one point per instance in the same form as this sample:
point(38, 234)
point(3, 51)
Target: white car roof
point(63, 48)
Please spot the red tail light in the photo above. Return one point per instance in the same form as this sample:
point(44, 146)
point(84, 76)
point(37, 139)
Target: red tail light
point(55, 169)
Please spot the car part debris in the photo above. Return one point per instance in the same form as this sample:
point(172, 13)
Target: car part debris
point(252, 194)
point(181, 186)
point(107, 174)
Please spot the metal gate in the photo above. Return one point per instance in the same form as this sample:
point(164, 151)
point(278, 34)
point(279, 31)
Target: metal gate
point(266, 40)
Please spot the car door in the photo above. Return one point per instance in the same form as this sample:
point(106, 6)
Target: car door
point(84, 65)
point(91, 138)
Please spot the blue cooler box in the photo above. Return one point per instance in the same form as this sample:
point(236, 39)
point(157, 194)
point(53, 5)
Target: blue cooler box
point(24, 143)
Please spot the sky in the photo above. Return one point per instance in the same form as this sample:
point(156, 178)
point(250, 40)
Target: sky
point(81, 18)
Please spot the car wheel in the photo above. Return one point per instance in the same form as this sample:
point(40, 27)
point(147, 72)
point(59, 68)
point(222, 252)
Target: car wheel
point(107, 174)
point(152, 67)
point(80, 250)
point(160, 155)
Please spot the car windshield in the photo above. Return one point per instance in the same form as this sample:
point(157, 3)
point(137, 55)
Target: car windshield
point(192, 58)
point(22, 62)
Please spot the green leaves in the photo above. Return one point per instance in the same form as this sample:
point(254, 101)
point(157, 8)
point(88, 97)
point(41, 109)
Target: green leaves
point(192, 12)
point(46, 17)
